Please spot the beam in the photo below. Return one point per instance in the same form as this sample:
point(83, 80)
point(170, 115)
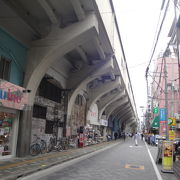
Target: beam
point(49, 11)
point(29, 20)
point(99, 48)
point(82, 54)
point(78, 9)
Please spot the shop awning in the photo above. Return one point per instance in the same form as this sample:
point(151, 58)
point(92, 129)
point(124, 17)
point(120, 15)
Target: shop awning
point(155, 123)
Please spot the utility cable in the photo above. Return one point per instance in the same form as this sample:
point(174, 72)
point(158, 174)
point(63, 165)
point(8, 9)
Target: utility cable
point(156, 91)
point(165, 12)
point(157, 83)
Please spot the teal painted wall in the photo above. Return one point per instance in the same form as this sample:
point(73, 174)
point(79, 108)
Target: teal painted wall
point(17, 53)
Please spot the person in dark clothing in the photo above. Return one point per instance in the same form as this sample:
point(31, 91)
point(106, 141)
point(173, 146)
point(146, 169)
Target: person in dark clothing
point(115, 135)
point(124, 136)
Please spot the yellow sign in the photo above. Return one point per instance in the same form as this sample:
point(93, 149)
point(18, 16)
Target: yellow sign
point(172, 121)
point(167, 155)
point(171, 135)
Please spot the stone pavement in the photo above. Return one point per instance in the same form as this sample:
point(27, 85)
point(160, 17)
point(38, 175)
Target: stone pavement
point(18, 167)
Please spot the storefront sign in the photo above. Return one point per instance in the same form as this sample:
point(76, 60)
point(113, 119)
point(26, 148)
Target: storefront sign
point(12, 96)
point(162, 129)
point(162, 114)
point(171, 135)
point(172, 121)
point(167, 156)
point(104, 122)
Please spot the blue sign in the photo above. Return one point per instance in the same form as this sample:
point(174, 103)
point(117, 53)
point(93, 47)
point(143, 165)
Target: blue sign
point(162, 114)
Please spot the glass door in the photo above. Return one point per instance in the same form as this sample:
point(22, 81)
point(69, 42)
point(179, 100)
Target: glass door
point(8, 132)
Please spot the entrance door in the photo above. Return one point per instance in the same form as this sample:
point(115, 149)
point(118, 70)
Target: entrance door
point(8, 132)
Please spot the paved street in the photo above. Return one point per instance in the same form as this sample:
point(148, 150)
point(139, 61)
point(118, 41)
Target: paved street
point(122, 162)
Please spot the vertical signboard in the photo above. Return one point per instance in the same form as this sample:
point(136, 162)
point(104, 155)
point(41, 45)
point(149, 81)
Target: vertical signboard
point(162, 129)
point(162, 119)
point(167, 156)
point(162, 114)
point(171, 135)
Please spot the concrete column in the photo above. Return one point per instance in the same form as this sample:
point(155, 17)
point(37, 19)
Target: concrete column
point(24, 135)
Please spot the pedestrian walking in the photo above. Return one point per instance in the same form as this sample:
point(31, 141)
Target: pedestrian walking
point(136, 139)
point(115, 135)
point(124, 136)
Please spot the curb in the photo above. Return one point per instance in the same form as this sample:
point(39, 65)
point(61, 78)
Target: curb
point(29, 172)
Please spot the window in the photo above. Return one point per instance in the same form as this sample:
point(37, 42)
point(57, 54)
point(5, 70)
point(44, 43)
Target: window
point(79, 100)
point(39, 111)
point(49, 127)
point(4, 68)
point(49, 91)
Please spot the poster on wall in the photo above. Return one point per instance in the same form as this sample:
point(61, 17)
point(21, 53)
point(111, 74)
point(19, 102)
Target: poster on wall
point(12, 96)
point(92, 116)
point(38, 128)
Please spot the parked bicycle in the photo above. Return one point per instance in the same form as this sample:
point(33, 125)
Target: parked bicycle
point(54, 145)
point(38, 146)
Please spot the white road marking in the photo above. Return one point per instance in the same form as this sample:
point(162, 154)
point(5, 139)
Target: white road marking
point(154, 165)
point(135, 146)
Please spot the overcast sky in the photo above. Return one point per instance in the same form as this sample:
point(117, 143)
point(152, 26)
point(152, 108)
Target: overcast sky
point(137, 21)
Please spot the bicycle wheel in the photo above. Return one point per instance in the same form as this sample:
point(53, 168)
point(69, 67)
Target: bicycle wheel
point(35, 149)
point(43, 146)
point(49, 148)
point(59, 148)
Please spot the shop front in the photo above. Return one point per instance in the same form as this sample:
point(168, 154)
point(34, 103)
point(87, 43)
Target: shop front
point(93, 123)
point(12, 100)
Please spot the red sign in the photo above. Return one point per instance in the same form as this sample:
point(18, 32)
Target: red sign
point(162, 128)
point(12, 96)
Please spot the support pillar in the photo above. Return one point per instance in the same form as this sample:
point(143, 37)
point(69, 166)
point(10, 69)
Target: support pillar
point(24, 134)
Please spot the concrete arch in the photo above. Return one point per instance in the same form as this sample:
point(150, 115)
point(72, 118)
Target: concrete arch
point(122, 110)
point(124, 116)
point(121, 121)
point(109, 101)
point(96, 93)
point(115, 105)
point(96, 72)
point(60, 41)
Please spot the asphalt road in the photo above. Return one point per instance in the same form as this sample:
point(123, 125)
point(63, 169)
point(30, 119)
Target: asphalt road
point(124, 161)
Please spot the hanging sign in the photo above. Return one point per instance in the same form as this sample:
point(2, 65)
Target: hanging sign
point(172, 121)
point(162, 114)
point(162, 129)
point(12, 96)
